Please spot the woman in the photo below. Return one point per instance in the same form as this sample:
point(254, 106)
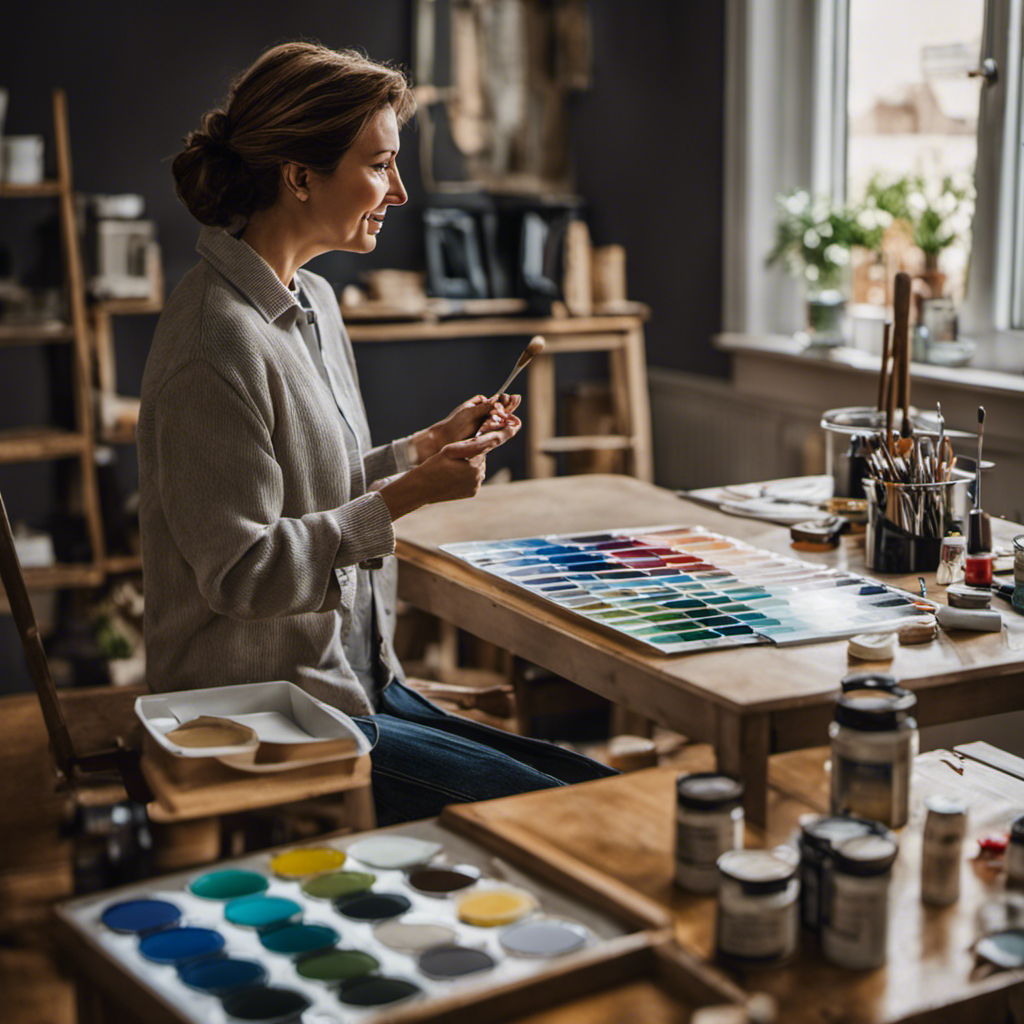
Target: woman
point(267, 516)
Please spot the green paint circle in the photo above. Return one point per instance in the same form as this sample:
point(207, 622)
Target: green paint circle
point(337, 965)
point(228, 885)
point(338, 883)
point(295, 939)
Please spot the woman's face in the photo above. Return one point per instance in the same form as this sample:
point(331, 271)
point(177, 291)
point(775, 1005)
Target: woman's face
point(349, 205)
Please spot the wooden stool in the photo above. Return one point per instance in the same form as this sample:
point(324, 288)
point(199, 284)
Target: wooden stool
point(630, 400)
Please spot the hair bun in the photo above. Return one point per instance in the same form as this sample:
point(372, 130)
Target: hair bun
point(217, 128)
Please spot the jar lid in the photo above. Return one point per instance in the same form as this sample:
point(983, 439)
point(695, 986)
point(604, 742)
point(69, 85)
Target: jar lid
point(708, 791)
point(821, 832)
point(874, 702)
point(946, 805)
point(866, 855)
point(759, 871)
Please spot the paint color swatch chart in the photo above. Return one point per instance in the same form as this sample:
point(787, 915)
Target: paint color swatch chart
point(680, 589)
point(341, 932)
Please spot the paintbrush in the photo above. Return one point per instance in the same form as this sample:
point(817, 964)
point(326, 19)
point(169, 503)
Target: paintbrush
point(901, 347)
point(886, 328)
point(979, 526)
point(535, 348)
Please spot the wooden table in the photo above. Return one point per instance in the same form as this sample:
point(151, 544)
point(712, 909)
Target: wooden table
point(751, 702)
point(625, 827)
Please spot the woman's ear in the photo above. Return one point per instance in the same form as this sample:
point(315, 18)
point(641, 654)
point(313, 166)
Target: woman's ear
point(296, 179)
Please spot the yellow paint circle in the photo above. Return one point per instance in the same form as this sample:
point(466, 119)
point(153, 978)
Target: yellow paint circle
point(488, 908)
point(311, 861)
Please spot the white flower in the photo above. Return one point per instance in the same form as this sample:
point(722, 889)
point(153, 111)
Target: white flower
point(963, 182)
point(959, 224)
point(884, 218)
point(825, 230)
point(811, 273)
point(946, 204)
point(796, 203)
point(917, 203)
point(811, 238)
point(868, 219)
point(838, 255)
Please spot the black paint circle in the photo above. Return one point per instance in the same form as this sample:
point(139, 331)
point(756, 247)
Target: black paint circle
point(454, 961)
point(440, 880)
point(376, 991)
point(266, 1004)
point(374, 906)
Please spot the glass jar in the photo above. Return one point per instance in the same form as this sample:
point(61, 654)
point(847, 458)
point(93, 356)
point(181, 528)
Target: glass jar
point(941, 849)
point(757, 920)
point(874, 742)
point(709, 822)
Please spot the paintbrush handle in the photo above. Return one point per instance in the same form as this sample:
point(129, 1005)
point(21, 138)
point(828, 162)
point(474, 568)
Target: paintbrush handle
point(901, 338)
point(516, 370)
point(886, 328)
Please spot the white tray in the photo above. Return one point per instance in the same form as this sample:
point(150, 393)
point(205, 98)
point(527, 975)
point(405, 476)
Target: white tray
point(280, 713)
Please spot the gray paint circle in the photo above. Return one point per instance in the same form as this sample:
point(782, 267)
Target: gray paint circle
point(544, 937)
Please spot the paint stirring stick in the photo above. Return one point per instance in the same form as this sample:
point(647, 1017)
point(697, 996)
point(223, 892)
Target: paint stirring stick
point(535, 348)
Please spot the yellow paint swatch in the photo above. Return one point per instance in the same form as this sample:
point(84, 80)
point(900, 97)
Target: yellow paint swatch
point(488, 908)
point(310, 861)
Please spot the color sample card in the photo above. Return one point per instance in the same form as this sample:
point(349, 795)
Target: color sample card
point(679, 589)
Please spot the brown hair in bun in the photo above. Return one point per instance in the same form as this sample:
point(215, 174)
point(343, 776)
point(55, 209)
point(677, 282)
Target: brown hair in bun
point(299, 103)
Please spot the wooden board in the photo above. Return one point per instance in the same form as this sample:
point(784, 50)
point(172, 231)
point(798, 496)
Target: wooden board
point(624, 828)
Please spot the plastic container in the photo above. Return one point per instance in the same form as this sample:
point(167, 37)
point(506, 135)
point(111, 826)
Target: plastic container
point(709, 822)
point(942, 850)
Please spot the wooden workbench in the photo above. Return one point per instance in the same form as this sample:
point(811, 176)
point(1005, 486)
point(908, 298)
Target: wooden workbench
point(624, 827)
point(750, 702)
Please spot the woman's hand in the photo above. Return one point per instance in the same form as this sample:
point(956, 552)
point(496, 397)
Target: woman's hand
point(476, 416)
point(456, 471)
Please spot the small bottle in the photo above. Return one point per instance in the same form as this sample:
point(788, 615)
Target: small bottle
point(758, 916)
point(1015, 855)
point(941, 849)
point(978, 569)
point(709, 822)
point(855, 922)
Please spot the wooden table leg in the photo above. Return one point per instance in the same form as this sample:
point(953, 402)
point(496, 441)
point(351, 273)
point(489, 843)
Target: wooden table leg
point(642, 455)
point(742, 746)
point(540, 415)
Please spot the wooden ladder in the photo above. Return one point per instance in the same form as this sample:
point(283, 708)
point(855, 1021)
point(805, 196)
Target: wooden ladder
point(623, 339)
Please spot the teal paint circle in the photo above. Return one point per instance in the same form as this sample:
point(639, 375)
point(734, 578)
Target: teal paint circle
point(262, 911)
point(228, 885)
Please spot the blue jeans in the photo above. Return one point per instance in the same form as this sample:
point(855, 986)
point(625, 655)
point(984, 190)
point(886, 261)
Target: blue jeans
point(425, 758)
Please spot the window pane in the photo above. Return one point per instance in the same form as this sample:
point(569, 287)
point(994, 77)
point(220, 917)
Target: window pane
point(912, 116)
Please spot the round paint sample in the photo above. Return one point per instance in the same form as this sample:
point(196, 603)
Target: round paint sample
point(454, 961)
point(312, 861)
point(179, 945)
point(376, 991)
point(296, 939)
point(413, 937)
point(269, 1005)
point(1004, 949)
point(441, 880)
point(218, 976)
point(262, 911)
point(338, 883)
point(374, 906)
point(336, 965)
point(228, 885)
point(134, 917)
point(489, 908)
point(545, 937)
point(393, 851)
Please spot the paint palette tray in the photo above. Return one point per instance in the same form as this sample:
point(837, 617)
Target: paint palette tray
point(400, 924)
point(679, 589)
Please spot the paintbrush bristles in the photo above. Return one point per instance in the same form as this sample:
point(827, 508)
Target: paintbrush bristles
point(535, 348)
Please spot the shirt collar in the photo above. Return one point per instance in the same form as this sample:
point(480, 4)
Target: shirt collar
point(247, 271)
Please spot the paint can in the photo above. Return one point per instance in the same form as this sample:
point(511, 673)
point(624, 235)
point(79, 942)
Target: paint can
point(874, 742)
point(941, 849)
point(709, 822)
point(855, 922)
point(758, 919)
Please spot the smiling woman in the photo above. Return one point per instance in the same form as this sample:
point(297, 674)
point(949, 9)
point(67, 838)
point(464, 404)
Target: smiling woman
point(266, 513)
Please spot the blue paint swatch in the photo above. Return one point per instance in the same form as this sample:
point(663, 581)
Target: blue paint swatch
point(136, 917)
point(179, 945)
point(219, 976)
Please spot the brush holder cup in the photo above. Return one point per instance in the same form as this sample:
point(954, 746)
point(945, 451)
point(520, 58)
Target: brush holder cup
point(906, 523)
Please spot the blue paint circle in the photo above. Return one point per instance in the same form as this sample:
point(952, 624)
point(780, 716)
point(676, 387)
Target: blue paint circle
point(217, 976)
point(262, 911)
point(178, 945)
point(295, 939)
point(137, 916)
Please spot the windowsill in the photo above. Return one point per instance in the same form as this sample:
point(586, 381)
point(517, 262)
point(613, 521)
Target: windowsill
point(997, 365)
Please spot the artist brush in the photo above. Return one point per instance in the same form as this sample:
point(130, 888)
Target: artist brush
point(901, 345)
point(535, 348)
point(886, 328)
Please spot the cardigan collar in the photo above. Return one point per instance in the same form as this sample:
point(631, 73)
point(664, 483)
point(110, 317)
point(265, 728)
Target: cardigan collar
point(247, 271)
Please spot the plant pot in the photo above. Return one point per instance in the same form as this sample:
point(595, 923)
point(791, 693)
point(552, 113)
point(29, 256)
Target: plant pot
point(826, 311)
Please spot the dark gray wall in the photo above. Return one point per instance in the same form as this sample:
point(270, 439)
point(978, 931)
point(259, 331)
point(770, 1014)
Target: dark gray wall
point(648, 152)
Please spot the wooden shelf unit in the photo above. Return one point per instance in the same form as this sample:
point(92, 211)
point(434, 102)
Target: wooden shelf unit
point(48, 443)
